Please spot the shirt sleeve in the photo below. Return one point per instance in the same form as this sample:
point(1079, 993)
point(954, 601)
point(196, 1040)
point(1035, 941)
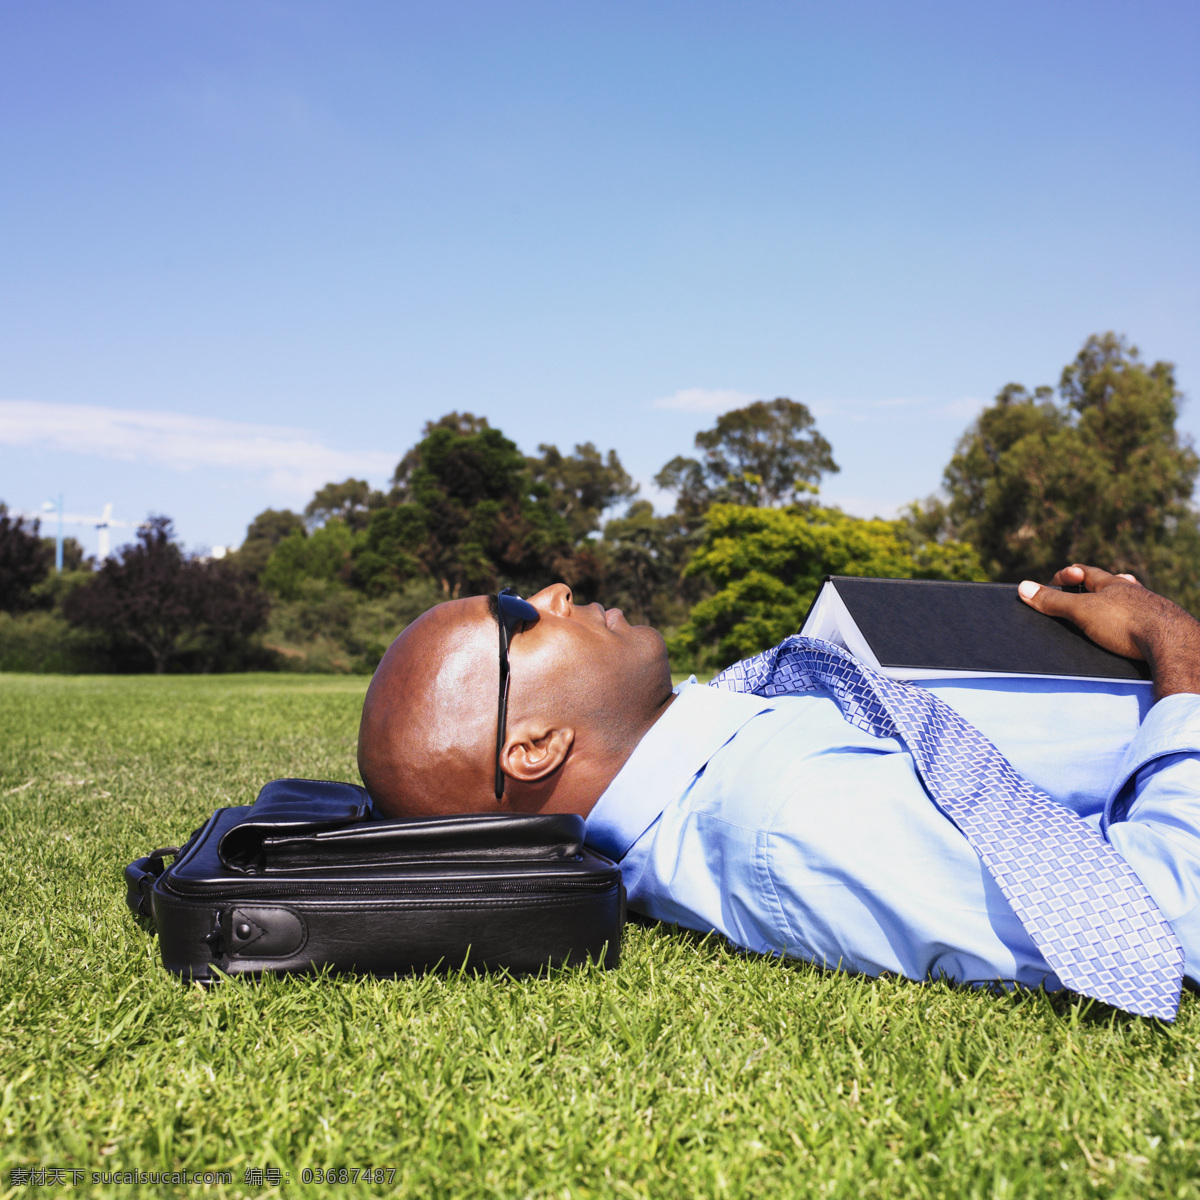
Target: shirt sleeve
point(1152, 816)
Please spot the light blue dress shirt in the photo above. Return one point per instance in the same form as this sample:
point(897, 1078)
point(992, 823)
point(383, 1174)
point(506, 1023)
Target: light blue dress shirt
point(787, 830)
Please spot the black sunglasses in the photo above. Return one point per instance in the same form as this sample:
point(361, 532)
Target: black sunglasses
point(511, 611)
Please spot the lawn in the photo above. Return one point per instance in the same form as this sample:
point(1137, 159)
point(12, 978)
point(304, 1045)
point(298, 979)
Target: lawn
point(690, 1071)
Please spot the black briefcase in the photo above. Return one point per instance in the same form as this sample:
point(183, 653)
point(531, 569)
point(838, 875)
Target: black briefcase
point(310, 877)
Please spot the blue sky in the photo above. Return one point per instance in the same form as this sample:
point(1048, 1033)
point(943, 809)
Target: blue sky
point(248, 247)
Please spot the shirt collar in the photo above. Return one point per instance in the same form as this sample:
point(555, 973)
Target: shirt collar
point(694, 727)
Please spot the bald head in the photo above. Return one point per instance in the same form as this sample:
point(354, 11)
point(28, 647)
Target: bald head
point(584, 688)
point(430, 711)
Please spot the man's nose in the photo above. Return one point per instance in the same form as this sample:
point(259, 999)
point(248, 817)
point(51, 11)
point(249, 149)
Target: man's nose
point(556, 600)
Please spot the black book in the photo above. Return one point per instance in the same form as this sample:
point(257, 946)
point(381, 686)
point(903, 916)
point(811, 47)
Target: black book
point(932, 629)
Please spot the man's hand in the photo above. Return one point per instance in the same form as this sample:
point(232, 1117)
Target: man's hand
point(1116, 612)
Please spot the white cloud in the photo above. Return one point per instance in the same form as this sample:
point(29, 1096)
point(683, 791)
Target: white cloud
point(291, 460)
point(966, 409)
point(704, 400)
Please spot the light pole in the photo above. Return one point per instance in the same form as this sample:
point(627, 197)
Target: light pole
point(49, 506)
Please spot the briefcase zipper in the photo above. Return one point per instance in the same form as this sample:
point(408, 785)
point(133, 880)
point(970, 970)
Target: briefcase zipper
point(254, 886)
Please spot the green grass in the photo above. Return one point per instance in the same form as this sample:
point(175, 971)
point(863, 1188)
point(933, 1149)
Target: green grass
point(690, 1071)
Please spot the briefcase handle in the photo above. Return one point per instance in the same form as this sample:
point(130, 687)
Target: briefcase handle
point(140, 877)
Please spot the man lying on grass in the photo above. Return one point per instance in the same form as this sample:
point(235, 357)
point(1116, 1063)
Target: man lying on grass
point(805, 806)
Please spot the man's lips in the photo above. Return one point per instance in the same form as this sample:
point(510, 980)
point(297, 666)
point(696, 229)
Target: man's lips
point(610, 616)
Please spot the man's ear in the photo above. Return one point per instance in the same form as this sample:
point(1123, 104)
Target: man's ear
point(534, 752)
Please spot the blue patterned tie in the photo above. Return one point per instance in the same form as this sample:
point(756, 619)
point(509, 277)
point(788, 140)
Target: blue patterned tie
point(1080, 902)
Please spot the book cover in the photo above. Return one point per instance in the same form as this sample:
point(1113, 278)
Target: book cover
point(926, 628)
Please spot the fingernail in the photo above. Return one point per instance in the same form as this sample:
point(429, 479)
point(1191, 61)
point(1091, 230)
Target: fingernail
point(1028, 590)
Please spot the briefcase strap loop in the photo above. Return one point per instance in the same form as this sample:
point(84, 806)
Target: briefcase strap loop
point(140, 877)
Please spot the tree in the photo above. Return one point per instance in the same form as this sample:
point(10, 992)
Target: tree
point(644, 559)
point(74, 558)
point(325, 555)
point(767, 564)
point(685, 477)
point(225, 610)
point(485, 517)
point(464, 424)
point(263, 534)
point(581, 486)
point(1099, 475)
point(467, 510)
point(761, 455)
point(157, 606)
point(351, 501)
point(25, 561)
point(388, 556)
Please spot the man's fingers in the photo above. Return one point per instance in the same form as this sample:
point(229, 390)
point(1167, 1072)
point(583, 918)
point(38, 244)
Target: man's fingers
point(1095, 579)
point(1074, 606)
point(1121, 615)
point(1048, 600)
point(1068, 577)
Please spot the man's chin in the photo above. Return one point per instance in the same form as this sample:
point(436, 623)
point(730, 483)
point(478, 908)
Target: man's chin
point(656, 649)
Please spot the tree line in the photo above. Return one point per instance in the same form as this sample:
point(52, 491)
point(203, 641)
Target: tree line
point(1094, 470)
